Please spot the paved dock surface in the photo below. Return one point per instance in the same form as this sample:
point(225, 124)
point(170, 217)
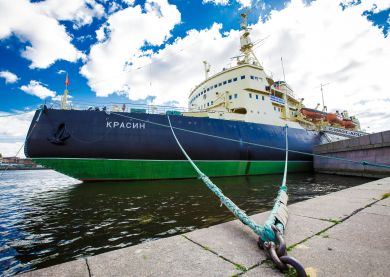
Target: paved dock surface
point(346, 233)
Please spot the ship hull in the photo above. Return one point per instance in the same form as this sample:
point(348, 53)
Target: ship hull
point(126, 146)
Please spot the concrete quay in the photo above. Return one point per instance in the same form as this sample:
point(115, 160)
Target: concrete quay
point(346, 233)
point(373, 148)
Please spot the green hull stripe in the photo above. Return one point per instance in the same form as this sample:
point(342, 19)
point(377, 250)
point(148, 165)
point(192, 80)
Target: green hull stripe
point(105, 169)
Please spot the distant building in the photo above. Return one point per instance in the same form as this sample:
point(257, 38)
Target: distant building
point(17, 163)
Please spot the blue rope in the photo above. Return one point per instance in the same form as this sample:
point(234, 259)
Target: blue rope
point(282, 193)
point(265, 233)
point(257, 144)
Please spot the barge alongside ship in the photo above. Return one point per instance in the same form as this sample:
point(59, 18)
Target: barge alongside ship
point(228, 113)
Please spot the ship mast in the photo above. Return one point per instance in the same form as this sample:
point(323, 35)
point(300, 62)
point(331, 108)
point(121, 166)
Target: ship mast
point(64, 100)
point(246, 44)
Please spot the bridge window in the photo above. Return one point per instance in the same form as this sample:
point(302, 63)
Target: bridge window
point(242, 77)
point(262, 97)
point(230, 80)
point(224, 82)
point(212, 103)
point(234, 79)
point(208, 89)
point(252, 77)
point(220, 84)
point(230, 97)
point(250, 95)
point(235, 95)
point(215, 85)
point(257, 97)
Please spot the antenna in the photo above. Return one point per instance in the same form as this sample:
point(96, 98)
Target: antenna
point(322, 94)
point(206, 69)
point(284, 76)
point(286, 108)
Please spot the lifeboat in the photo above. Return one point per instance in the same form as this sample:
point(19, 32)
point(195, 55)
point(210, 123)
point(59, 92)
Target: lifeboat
point(334, 118)
point(313, 114)
point(348, 123)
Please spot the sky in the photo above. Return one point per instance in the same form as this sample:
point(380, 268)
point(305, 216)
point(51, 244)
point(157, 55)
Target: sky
point(153, 51)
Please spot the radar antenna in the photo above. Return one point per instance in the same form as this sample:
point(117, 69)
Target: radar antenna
point(246, 43)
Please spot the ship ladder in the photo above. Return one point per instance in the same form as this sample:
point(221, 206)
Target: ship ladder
point(271, 233)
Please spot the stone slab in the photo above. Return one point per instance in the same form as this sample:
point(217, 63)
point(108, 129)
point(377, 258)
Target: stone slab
point(341, 204)
point(174, 256)
point(238, 243)
point(328, 207)
point(385, 202)
point(332, 257)
point(370, 194)
point(262, 270)
point(232, 240)
point(378, 209)
point(364, 230)
point(359, 246)
point(77, 268)
point(382, 184)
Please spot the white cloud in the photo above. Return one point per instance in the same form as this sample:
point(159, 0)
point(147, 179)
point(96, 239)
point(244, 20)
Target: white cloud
point(61, 71)
point(114, 6)
point(37, 24)
point(58, 98)
point(319, 43)
point(38, 89)
point(81, 12)
point(120, 40)
point(178, 68)
point(128, 2)
point(13, 130)
point(9, 77)
point(216, 2)
point(245, 3)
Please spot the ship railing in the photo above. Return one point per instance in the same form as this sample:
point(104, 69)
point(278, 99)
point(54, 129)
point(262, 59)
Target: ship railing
point(122, 107)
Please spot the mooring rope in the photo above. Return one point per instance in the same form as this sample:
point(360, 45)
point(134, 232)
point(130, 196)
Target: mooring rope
point(265, 233)
point(279, 215)
point(257, 144)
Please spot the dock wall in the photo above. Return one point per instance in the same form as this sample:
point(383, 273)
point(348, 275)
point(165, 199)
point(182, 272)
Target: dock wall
point(373, 148)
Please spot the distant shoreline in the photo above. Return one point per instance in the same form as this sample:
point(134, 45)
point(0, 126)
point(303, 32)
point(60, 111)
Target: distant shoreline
point(23, 168)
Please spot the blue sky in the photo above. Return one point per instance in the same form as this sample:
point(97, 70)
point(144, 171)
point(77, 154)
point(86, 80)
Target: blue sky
point(125, 50)
point(194, 15)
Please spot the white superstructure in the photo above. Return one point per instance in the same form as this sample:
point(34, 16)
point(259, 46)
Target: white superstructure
point(244, 92)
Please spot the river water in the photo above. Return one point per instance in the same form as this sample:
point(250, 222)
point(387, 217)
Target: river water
point(47, 218)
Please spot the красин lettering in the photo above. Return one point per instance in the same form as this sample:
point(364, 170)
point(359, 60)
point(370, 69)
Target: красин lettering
point(125, 125)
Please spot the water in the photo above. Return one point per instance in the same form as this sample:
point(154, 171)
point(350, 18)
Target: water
point(47, 218)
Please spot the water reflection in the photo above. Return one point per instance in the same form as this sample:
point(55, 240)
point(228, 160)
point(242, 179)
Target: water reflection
point(47, 218)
